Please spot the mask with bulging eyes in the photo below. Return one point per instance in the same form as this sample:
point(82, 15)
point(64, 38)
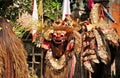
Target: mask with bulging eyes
point(59, 37)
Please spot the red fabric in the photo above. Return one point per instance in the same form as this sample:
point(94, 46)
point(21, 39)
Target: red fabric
point(101, 13)
point(73, 66)
point(90, 4)
point(70, 45)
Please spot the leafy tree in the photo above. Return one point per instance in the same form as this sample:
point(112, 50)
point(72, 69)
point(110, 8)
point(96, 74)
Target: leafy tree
point(11, 9)
point(52, 8)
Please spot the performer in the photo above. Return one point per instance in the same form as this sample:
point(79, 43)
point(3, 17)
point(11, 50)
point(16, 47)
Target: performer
point(13, 56)
point(88, 54)
point(75, 49)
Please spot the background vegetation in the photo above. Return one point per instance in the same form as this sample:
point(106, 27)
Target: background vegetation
point(11, 9)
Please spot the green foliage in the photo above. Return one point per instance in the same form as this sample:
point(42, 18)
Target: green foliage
point(12, 9)
point(52, 9)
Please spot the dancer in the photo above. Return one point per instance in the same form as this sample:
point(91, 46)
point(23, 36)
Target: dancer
point(13, 63)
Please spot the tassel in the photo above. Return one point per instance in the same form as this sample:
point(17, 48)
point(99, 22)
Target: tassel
point(90, 4)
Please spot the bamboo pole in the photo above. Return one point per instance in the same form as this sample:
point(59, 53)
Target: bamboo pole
point(41, 73)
